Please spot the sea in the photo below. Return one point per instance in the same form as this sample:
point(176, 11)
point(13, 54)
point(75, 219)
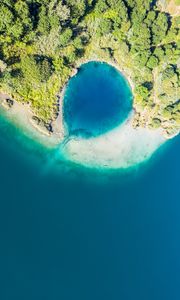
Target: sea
point(68, 232)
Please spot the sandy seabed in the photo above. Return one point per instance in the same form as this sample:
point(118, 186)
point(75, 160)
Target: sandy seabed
point(121, 147)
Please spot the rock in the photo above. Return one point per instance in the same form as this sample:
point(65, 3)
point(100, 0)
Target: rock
point(36, 119)
point(49, 127)
point(10, 102)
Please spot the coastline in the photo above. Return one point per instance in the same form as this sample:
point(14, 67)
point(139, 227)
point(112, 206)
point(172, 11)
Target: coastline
point(23, 116)
point(121, 148)
point(111, 63)
point(58, 132)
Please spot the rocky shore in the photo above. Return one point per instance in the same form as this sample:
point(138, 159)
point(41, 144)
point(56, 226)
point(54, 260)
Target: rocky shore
point(22, 115)
point(53, 132)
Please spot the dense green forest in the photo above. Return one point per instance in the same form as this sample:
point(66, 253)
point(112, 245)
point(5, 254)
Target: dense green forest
point(43, 41)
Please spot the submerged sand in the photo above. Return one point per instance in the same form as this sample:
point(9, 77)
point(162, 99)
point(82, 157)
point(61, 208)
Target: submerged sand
point(122, 147)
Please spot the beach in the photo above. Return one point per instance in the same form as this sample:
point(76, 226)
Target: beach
point(21, 115)
point(123, 147)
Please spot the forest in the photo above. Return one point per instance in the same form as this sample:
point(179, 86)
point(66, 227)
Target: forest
point(43, 41)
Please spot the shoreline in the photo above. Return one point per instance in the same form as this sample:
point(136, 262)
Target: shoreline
point(111, 63)
point(23, 115)
point(121, 148)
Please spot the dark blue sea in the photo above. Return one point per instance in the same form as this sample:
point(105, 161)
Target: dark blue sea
point(71, 233)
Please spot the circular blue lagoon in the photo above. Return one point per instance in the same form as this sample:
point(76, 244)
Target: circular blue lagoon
point(96, 100)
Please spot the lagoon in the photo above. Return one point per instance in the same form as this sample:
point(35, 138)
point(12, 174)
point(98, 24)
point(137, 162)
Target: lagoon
point(98, 116)
point(96, 99)
point(72, 232)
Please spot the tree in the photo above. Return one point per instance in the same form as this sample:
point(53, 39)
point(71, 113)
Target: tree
point(142, 91)
point(167, 113)
point(120, 14)
point(168, 73)
point(30, 70)
point(78, 8)
point(140, 38)
point(159, 53)
point(65, 37)
point(156, 123)
point(45, 68)
point(159, 28)
point(70, 56)
point(101, 6)
point(152, 62)
point(105, 27)
point(16, 29)
point(169, 49)
point(3, 66)
point(60, 10)
point(139, 11)
point(6, 19)
point(150, 18)
point(78, 43)
point(142, 57)
point(42, 40)
point(43, 24)
point(22, 10)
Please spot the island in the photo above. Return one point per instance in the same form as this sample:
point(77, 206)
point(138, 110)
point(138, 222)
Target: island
point(44, 43)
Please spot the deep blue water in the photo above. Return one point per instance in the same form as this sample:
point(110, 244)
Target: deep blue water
point(68, 233)
point(96, 100)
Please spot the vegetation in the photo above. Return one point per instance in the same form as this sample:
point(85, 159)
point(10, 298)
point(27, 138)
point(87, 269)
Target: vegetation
point(41, 42)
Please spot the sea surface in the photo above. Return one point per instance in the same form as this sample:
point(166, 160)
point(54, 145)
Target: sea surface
point(73, 233)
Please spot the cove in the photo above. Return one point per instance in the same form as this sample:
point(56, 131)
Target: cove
point(96, 100)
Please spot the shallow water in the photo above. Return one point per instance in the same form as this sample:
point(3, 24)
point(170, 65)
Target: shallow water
point(98, 115)
point(70, 233)
point(96, 100)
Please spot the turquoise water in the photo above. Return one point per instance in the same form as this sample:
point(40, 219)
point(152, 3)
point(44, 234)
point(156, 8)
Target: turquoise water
point(72, 233)
point(96, 100)
point(68, 233)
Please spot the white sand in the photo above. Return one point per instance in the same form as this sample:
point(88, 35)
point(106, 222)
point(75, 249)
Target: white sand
point(22, 115)
point(122, 147)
